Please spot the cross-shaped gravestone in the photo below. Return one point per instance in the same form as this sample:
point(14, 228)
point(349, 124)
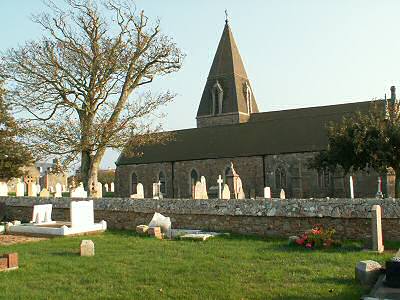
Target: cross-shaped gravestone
point(220, 181)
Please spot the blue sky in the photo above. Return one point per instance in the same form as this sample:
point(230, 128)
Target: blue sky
point(297, 53)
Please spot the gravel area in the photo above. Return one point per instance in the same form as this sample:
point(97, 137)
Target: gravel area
point(6, 239)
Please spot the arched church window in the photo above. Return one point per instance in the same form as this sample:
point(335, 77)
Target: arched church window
point(194, 177)
point(162, 179)
point(280, 178)
point(248, 94)
point(134, 183)
point(217, 96)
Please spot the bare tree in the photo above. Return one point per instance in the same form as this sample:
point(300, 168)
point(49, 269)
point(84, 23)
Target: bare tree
point(79, 82)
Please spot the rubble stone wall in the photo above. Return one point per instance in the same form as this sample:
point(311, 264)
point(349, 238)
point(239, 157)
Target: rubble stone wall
point(266, 217)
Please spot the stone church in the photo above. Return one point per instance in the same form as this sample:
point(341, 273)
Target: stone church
point(266, 148)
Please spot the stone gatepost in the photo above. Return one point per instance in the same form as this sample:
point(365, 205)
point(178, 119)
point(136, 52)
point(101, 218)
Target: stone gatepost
point(377, 242)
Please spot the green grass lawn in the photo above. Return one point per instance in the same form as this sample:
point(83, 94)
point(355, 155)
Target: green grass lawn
point(127, 266)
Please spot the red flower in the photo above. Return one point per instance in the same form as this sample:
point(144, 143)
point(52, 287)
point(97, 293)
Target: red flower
point(309, 245)
point(300, 241)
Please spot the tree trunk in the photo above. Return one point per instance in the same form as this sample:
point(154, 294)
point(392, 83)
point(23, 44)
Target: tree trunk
point(85, 168)
point(92, 178)
point(397, 183)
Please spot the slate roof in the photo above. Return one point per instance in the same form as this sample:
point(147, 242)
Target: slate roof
point(277, 132)
point(228, 69)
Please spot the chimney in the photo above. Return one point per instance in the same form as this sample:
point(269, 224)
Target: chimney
point(393, 94)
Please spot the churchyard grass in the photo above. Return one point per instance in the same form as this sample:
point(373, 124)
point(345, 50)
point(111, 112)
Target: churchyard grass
point(128, 266)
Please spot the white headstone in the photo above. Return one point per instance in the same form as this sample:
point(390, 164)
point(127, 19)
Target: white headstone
point(226, 194)
point(112, 187)
point(140, 191)
point(79, 192)
point(198, 190)
point(220, 181)
point(42, 213)
point(58, 193)
point(98, 190)
point(239, 193)
point(20, 189)
point(38, 189)
point(3, 189)
point(377, 240)
point(351, 188)
point(204, 185)
point(156, 190)
point(282, 195)
point(106, 187)
point(81, 213)
point(267, 192)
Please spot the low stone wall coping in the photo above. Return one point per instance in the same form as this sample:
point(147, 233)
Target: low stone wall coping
point(335, 208)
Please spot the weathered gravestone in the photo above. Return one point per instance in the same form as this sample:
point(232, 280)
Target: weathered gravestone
point(112, 187)
point(139, 192)
point(87, 248)
point(79, 192)
point(20, 189)
point(377, 241)
point(58, 193)
point(97, 190)
point(267, 192)
point(44, 193)
point(367, 272)
point(226, 194)
point(239, 193)
point(106, 187)
point(32, 192)
point(198, 190)
point(3, 189)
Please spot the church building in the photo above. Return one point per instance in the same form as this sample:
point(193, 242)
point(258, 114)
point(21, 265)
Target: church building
point(266, 148)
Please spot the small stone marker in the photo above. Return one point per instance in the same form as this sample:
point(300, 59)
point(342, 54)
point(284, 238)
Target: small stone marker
point(155, 231)
point(267, 192)
point(79, 192)
point(87, 248)
point(112, 187)
point(367, 272)
point(282, 194)
point(58, 193)
point(9, 262)
point(226, 194)
point(139, 192)
point(377, 242)
point(156, 190)
point(3, 189)
point(20, 189)
point(106, 187)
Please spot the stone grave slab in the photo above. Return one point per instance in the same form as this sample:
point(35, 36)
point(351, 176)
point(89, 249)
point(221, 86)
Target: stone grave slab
point(87, 248)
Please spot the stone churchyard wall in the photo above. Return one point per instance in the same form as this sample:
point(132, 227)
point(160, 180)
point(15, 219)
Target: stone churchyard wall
point(351, 218)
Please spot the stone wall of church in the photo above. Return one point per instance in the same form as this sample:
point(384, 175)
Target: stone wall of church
point(350, 217)
point(256, 172)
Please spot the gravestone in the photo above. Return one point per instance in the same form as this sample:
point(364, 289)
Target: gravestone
point(3, 189)
point(58, 193)
point(81, 213)
point(42, 213)
point(377, 241)
point(87, 248)
point(282, 194)
point(226, 194)
point(79, 192)
point(112, 187)
point(44, 193)
point(139, 192)
point(267, 192)
point(367, 272)
point(64, 189)
point(32, 192)
point(51, 190)
point(20, 189)
point(38, 189)
point(97, 190)
point(198, 190)
point(351, 187)
point(220, 182)
point(156, 190)
point(239, 193)
point(204, 185)
point(106, 187)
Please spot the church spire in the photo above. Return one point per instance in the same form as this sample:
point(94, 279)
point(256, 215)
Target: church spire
point(227, 97)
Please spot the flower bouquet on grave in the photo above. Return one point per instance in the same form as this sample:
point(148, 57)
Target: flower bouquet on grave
point(317, 237)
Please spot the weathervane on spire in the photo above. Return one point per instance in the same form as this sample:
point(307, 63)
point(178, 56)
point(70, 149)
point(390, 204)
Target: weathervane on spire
point(226, 16)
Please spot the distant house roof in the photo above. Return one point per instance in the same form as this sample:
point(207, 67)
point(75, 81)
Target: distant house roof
point(277, 132)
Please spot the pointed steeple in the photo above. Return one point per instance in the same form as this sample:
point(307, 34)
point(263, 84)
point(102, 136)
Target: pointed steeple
point(227, 97)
